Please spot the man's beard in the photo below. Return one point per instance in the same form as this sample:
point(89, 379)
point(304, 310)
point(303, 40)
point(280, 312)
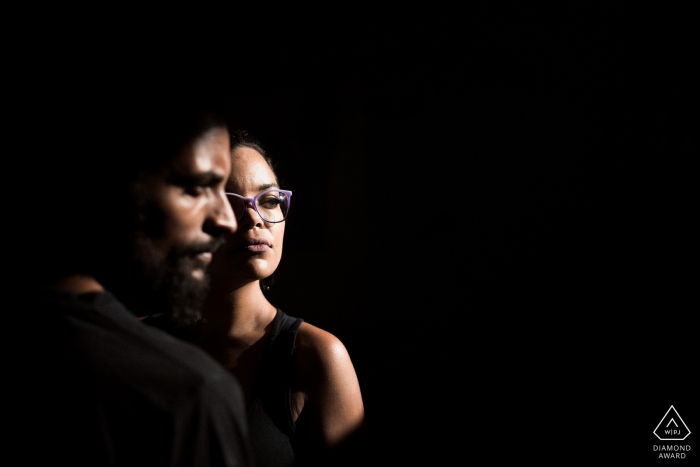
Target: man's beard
point(180, 294)
point(163, 284)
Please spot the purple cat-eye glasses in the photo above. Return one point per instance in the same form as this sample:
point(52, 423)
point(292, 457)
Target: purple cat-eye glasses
point(271, 205)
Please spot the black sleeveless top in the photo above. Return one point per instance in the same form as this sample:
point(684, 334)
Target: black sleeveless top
point(269, 410)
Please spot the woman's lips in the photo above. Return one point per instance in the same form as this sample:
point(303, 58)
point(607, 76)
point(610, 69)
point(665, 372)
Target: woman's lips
point(249, 245)
point(257, 245)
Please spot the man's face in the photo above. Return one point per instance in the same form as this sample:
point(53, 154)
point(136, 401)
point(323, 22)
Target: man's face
point(184, 216)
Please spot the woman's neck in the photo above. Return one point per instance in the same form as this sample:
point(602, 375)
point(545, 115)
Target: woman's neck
point(237, 312)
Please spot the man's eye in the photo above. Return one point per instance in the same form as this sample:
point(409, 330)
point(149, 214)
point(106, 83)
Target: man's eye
point(195, 190)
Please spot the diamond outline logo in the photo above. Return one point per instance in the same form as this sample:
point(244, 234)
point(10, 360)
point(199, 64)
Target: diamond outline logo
point(674, 421)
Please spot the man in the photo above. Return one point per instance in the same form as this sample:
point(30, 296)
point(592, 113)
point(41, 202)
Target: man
point(131, 206)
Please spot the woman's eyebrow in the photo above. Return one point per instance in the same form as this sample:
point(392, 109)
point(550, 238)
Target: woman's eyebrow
point(265, 186)
point(259, 188)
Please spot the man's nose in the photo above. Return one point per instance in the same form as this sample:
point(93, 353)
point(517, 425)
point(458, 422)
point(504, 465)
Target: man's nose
point(221, 214)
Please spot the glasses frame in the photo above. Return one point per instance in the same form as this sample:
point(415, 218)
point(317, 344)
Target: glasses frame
point(254, 202)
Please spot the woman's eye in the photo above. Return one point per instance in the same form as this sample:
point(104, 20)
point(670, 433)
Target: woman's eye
point(269, 203)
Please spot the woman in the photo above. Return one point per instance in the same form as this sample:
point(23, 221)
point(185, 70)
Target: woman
point(302, 392)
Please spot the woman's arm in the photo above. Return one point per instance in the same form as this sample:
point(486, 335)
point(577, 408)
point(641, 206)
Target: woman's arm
point(328, 402)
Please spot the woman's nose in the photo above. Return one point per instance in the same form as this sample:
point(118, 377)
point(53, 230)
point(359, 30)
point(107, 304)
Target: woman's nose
point(250, 215)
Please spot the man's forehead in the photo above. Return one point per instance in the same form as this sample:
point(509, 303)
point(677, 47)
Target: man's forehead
point(208, 153)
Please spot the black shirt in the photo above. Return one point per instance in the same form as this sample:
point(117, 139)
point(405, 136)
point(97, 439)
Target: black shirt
point(100, 388)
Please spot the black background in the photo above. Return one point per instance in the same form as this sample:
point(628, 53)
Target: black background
point(491, 211)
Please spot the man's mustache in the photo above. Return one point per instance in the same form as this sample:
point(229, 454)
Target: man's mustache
point(212, 246)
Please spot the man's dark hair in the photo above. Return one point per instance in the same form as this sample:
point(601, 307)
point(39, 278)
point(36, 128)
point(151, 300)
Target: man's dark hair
point(85, 205)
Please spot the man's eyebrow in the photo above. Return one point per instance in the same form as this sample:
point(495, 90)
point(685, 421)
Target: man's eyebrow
point(202, 178)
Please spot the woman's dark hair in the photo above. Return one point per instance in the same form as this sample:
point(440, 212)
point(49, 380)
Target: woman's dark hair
point(241, 138)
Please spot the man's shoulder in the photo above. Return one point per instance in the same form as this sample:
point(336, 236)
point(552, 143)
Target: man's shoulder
point(128, 391)
point(102, 338)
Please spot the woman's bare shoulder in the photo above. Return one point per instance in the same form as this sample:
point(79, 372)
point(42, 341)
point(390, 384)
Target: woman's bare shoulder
point(320, 346)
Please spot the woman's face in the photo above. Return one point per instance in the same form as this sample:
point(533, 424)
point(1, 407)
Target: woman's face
point(254, 251)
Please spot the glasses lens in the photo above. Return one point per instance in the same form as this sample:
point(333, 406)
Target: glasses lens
point(273, 206)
